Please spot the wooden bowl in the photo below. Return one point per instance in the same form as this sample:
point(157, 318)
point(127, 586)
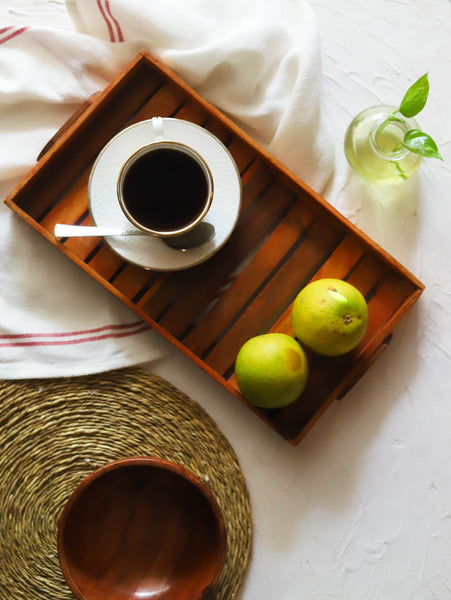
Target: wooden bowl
point(141, 528)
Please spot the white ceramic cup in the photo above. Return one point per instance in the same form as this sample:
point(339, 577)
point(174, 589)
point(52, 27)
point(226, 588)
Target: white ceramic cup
point(165, 188)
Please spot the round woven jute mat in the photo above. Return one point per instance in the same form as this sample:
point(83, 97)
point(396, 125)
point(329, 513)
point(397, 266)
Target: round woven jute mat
point(55, 432)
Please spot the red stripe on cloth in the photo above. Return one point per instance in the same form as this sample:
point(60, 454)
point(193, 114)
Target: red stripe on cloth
point(72, 333)
point(13, 34)
point(79, 340)
point(120, 37)
point(104, 15)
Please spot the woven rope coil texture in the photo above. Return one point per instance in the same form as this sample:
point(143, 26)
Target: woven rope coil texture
point(55, 432)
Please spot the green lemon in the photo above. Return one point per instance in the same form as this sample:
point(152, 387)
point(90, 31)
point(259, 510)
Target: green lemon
point(271, 370)
point(329, 316)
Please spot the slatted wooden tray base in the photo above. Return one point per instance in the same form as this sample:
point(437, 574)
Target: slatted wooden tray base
point(286, 236)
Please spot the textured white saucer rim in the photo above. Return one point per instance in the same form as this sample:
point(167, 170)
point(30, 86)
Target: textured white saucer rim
point(148, 251)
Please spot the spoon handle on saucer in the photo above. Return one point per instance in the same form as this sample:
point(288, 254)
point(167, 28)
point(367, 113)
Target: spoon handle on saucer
point(62, 230)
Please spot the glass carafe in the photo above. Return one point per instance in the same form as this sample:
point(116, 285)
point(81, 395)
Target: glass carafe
point(373, 145)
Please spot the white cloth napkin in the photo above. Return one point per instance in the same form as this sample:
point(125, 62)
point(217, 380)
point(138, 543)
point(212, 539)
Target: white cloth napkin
point(258, 61)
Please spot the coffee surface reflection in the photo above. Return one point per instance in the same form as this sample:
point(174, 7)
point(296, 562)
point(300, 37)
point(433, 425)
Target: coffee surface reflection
point(165, 188)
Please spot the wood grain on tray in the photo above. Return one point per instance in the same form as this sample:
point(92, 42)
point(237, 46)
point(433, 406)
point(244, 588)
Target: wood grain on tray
point(286, 236)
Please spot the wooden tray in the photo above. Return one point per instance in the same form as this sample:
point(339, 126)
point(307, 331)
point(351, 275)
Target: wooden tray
point(286, 236)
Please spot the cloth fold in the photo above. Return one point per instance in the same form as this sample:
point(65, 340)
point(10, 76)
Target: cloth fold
point(258, 62)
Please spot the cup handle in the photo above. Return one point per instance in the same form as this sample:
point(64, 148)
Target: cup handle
point(157, 126)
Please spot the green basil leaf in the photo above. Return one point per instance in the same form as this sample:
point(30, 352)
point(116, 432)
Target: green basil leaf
point(415, 97)
point(421, 143)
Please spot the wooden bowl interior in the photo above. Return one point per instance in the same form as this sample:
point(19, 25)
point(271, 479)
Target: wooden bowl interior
point(141, 529)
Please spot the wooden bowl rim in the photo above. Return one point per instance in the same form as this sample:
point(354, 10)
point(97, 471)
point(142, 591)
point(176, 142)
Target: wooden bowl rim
point(160, 463)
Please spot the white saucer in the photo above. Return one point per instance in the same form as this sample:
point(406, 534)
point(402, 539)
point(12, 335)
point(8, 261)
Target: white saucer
point(148, 251)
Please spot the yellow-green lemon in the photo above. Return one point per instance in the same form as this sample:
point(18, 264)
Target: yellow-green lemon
point(271, 370)
point(329, 316)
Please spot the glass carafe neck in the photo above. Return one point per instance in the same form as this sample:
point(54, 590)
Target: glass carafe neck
point(387, 135)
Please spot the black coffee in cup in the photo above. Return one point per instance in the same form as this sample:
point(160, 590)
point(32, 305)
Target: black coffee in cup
point(165, 188)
